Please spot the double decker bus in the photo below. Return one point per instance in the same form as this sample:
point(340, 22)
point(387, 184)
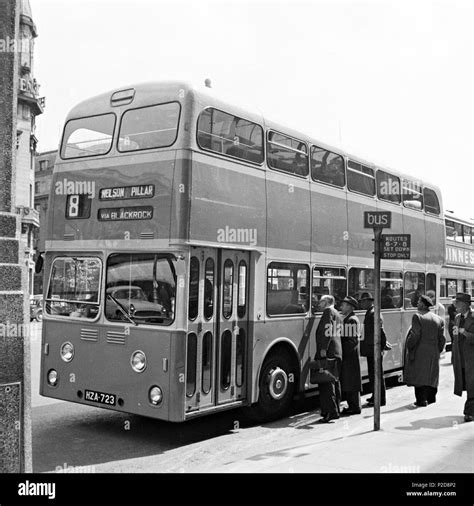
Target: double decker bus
point(189, 242)
point(457, 274)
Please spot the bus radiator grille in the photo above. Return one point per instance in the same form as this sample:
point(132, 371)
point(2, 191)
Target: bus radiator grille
point(89, 334)
point(114, 337)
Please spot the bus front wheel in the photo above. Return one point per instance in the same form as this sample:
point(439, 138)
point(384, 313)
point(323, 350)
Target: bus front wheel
point(277, 383)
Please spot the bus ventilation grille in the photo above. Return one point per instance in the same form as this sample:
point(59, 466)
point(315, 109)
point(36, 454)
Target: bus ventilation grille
point(69, 237)
point(114, 337)
point(147, 235)
point(89, 334)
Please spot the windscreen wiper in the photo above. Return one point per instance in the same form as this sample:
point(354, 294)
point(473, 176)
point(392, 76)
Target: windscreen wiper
point(122, 309)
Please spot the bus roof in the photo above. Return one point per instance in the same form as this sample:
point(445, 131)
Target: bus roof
point(156, 91)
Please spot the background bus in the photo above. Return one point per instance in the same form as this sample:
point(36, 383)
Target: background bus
point(457, 274)
point(189, 242)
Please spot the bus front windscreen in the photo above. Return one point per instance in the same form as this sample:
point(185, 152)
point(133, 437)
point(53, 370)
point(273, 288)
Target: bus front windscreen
point(74, 287)
point(141, 288)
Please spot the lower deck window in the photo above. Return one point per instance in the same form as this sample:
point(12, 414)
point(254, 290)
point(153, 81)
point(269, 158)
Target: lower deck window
point(287, 288)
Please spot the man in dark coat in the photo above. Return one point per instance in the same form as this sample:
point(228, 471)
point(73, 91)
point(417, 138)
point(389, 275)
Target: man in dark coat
point(351, 380)
point(367, 345)
point(423, 348)
point(463, 353)
point(328, 345)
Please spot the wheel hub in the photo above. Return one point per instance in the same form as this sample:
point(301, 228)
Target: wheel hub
point(277, 383)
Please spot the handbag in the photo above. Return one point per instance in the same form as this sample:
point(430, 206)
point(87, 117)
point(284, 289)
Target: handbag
point(323, 370)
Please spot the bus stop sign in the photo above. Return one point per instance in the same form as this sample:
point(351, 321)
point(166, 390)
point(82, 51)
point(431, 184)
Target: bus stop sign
point(377, 219)
point(396, 246)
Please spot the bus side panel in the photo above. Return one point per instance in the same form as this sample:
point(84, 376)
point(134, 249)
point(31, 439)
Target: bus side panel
point(180, 198)
point(435, 242)
point(360, 245)
point(177, 385)
point(413, 224)
point(227, 202)
point(288, 212)
point(267, 334)
point(329, 223)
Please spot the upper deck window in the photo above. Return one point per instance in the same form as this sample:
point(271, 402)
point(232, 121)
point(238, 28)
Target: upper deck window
point(388, 187)
point(91, 136)
point(360, 178)
point(431, 201)
point(230, 135)
point(327, 167)
point(149, 127)
point(287, 154)
point(412, 195)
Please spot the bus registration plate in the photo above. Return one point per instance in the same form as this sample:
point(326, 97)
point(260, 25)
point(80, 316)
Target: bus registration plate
point(100, 397)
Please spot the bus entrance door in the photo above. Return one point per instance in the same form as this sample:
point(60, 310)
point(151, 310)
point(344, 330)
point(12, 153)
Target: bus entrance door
point(201, 340)
point(232, 315)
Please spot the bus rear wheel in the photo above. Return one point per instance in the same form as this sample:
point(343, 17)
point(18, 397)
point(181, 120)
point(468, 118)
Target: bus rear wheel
point(277, 387)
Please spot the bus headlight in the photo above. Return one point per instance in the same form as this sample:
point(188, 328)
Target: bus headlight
point(155, 395)
point(53, 378)
point(138, 361)
point(67, 351)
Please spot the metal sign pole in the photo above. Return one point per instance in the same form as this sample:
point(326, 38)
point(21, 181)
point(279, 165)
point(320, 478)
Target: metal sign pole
point(377, 350)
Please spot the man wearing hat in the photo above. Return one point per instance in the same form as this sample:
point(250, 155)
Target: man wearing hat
point(351, 380)
point(366, 302)
point(424, 345)
point(328, 345)
point(463, 353)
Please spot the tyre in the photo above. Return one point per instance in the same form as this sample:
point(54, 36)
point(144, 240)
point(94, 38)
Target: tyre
point(39, 315)
point(277, 384)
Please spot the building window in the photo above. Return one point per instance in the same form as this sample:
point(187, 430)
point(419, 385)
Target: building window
point(287, 154)
point(327, 167)
point(230, 135)
point(44, 165)
point(360, 178)
point(37, 187)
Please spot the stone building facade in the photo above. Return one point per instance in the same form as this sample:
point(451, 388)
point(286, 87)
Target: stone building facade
point(30, 105)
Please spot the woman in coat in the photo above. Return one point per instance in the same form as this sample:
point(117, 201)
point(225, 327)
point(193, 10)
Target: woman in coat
point(423, 348)
point(351, 380)
point(463, 353)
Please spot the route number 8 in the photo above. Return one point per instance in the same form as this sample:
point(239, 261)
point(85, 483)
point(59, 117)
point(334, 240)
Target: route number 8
point(73, 211)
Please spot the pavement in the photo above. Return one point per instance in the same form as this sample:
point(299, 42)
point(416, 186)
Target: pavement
point(435, 439)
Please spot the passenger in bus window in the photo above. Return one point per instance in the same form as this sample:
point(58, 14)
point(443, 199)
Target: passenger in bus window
point(351, 379)
point(424, 345)
point(463, 353)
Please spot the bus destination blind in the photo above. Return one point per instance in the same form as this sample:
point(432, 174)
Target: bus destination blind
point(125, 213)
point(142, 191)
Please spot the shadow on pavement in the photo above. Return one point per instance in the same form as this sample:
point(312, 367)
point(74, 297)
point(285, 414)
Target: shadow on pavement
point(66, 435)
point(440, 422)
